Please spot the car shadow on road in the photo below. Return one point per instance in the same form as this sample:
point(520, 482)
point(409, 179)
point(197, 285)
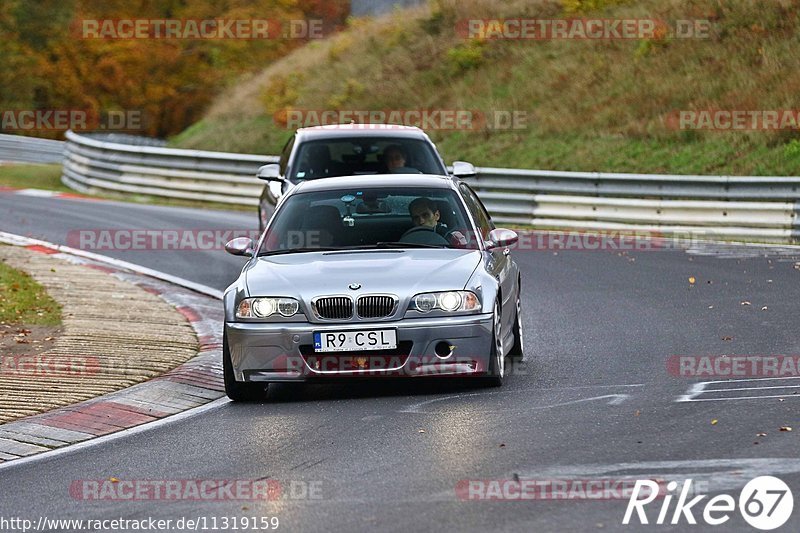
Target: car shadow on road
point(363, 389)
point(379, 387)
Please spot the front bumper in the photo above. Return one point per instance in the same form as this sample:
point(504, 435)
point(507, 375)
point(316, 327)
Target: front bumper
point(278, 352)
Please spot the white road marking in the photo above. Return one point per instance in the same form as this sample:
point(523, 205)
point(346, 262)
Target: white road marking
point(706, 388)
point(615, 399)
point(752, 379)
point(37, 192)
point(756, 388)
point(741, 398)
point(414, 408)
point(737, 250)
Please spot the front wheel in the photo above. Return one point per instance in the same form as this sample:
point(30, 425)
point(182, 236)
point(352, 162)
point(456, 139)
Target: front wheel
point(517, 350)
point(497, 359)
point(238, 391)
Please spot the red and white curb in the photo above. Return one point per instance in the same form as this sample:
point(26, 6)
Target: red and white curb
point(193, 384)
point(42, 193)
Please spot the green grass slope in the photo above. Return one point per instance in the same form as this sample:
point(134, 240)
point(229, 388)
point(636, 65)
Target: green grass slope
point(593, 105)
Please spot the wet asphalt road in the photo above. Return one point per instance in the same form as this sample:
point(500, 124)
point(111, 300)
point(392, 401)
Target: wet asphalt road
point(593, 399)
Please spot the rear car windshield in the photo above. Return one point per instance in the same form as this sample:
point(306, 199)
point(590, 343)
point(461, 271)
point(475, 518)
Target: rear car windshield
point(367, 155)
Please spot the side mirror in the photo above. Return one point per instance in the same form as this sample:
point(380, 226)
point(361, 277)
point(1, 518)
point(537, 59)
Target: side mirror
point(271, 172)
point(240, 246)
point(501, 237)
point(462, 169)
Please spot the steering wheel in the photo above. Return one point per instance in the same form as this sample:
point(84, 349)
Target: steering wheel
point(418, 230)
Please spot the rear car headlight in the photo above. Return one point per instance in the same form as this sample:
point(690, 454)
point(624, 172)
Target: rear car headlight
point(450, 301)
point(267, 307)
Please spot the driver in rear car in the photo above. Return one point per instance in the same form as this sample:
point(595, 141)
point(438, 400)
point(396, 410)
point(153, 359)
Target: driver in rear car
point(425, 214)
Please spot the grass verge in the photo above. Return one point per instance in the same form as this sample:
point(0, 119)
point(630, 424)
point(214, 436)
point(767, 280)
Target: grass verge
point(32, 176)
point(24, 301)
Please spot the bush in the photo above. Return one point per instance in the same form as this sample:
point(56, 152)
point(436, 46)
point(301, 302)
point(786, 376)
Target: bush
point(466, 56)
point(281, 93)
point(792, 149)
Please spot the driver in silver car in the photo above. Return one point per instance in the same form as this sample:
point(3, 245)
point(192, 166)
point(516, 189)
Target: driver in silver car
point(424, 212)
point(426, 216)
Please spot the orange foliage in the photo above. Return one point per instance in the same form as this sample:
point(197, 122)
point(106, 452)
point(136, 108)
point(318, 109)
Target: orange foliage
point(47, 64)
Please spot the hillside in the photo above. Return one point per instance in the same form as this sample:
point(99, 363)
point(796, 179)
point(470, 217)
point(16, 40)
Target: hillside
point(596, 105)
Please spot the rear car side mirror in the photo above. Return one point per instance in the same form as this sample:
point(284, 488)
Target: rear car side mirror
point(462, 169)
point(271, 172)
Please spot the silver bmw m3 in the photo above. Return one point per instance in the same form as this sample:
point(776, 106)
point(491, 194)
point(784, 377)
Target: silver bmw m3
point(373, 276)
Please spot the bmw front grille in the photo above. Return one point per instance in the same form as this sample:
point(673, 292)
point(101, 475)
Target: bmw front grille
point(376, 306)
point(367, 306)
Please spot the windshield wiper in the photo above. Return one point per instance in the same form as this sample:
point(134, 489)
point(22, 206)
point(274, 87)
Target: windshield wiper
point(299, 250)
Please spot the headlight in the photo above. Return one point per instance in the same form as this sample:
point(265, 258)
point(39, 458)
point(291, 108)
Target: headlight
point(425, 302)
point(450, 301)
point(266, 307)
point(263, 307)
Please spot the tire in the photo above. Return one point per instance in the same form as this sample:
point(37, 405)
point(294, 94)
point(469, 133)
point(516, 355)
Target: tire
point(238, 391)
point(496, 372)
point(517, 351)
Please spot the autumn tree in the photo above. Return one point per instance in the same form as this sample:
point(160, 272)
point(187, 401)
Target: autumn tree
point(47, 63)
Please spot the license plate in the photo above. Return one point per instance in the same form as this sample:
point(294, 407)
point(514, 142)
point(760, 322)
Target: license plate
point(347, 341)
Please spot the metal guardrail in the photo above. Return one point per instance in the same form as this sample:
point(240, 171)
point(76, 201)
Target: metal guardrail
point(127, 138)
point(91, 164)
point(761, 208)
point(30, 149)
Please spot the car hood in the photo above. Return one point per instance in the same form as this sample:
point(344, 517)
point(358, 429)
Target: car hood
point(400, 272)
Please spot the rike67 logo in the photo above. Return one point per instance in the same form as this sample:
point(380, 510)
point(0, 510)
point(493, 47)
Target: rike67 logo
point(765, 503)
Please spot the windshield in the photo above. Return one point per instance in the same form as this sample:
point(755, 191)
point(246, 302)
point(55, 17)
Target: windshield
point(400, 217)
point(366, 155)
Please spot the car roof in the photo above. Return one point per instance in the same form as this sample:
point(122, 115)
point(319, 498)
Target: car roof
point(334, 131)
point(430, 181)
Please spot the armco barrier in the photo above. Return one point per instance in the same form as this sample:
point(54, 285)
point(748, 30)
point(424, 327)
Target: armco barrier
point(30, 149)
point(757, 208)
point(91, 164)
